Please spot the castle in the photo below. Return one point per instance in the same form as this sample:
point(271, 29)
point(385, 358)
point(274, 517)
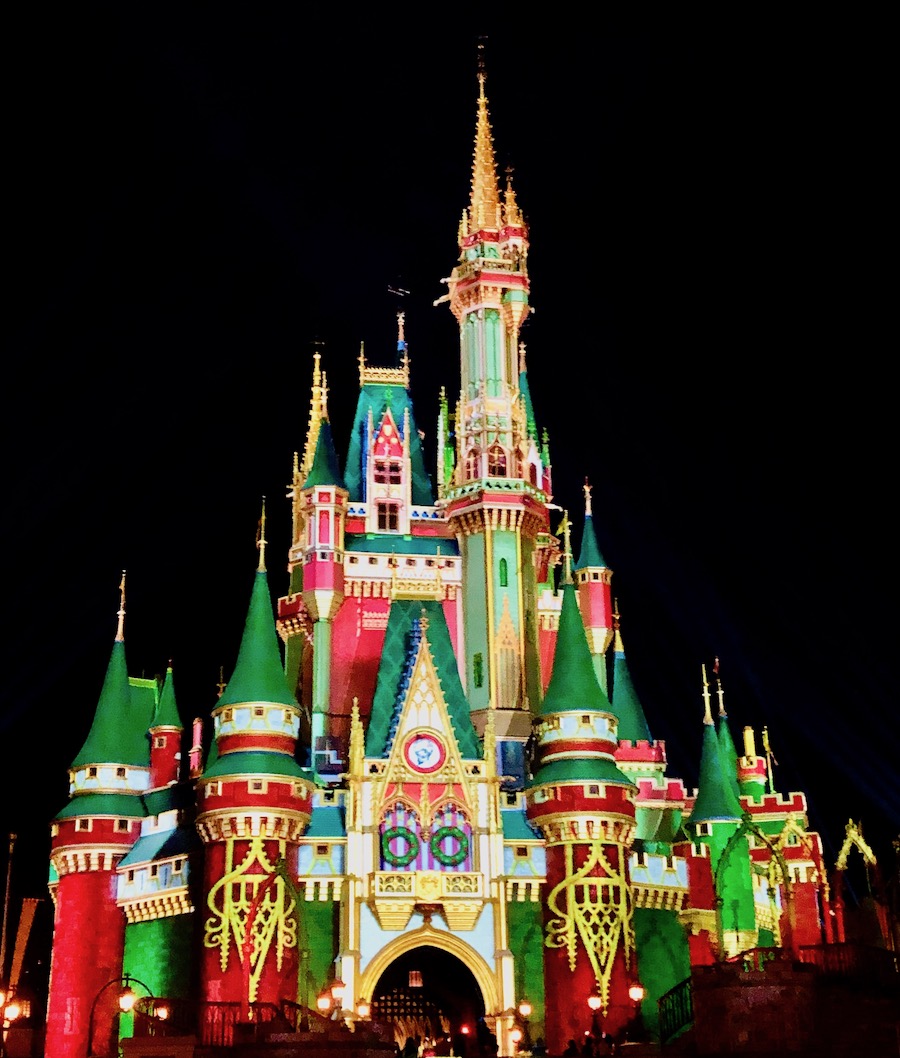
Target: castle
point(431, 792)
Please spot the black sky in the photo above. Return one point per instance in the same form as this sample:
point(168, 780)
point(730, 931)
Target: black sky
point(196, 198)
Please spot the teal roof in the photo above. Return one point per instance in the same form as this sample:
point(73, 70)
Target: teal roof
point(590, 553)
point(258, 675)
point(104, 804)
point(377, 399)
point(327, 821)
point(633, 726)
point(573, 683)
point(397, 656)
point(181, 841)
point(716, 800)
point(169, 799)
point(167, 709)
point(118, 734)
point(325, 469)
point(256, 762)
point(516, 827)
point(391, 543)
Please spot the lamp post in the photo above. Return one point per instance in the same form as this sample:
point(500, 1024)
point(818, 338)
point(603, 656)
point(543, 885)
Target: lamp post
point(595, 1002)
point(11, 1010)
point(525, 1009)
point(126, 1000)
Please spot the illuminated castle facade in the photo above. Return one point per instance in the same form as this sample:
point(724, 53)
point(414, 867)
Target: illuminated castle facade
point(430, 744)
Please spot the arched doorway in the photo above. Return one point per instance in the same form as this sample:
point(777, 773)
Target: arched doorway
point(430, 992)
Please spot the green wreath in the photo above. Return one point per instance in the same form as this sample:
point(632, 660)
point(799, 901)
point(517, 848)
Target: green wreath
point(449, 859)
point(402, 859)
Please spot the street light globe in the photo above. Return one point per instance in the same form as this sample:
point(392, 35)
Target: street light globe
point(127, 999)
point(594, 1001)
point(323, 1000)
point(524, 1008)
point(516, 1035)
point(12, 1010)
point(363, 1008)
point(636, 993)
point(162, 1012)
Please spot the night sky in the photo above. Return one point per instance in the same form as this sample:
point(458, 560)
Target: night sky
point(199, 201)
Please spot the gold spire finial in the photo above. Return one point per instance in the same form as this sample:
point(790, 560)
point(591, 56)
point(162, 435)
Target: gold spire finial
point(221, 684)
point(564, 528)
point(484, 208)
point(401, 317)
point(261, 539)
point(361, 360)
point(618, 645)
point(707, 709)
point(120, 629)
point(770, 759)
point(719, 689)
point(587, 499)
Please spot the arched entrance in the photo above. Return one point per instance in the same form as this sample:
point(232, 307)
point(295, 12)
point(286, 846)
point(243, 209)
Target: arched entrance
point(431, 991)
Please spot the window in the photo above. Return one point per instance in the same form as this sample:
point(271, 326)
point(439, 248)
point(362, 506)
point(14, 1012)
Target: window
point(83, 824)
point(521, 852)
point(259, 710)
point(257, 786)
point(594, 790)
point(478, 670)
point(504, 573)
point(496, 462)
point(159, 742)
point(321, 850)
point(388, 515)
point(92, 773)
point(131, 876)
point(703, 830)
point(388, 472)
point(373, 561)
point(154, 870)
point(176, 866)
point(472, 464)
point(122, 824)
point(120, 773)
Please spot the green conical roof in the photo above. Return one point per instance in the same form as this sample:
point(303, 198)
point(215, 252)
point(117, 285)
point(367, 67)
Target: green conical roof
point(590, 552)
point(167, 709)
point(325, 469)
point(716, 801)
point(633, 726)
point(118, 734)
point(727, 753)
point(573, 683)
point(258, 675)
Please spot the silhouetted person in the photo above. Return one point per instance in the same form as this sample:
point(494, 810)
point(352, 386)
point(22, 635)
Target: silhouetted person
point(571, 1050)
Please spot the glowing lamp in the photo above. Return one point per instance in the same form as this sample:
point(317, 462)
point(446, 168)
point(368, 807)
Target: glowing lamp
point(337, 989)
point(363, 1008)
point(323, 1000)
point(127, 999)
point(636, 993)
point(594, 1001)
point(524, 1008)
point(516, 1035)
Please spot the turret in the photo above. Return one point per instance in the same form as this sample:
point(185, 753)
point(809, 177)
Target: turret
point(594, 578)
point(583, 806)
point(166, 732)
point(89, 837)
point(254, 804)
point(494, 502)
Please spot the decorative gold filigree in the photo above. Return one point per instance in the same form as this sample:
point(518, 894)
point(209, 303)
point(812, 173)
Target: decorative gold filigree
point(597, 910)
point(253, 885)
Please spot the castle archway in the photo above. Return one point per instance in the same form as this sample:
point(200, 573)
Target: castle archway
point(429, 983)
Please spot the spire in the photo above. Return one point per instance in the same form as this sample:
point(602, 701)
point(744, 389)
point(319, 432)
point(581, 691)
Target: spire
point(716, 800)
point(258, 675)
point(318, 410)
point(633, 726)
point(118, 734)
point(564, 529)
point(261, 539)
point(727, 749)
point(590, 553)
point(324, 469)
point(573, 683)
point(167, 709)
point(484, 209)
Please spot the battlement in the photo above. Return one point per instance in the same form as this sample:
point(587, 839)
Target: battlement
point(776, 804)
point(670, 790)
point(642, 751)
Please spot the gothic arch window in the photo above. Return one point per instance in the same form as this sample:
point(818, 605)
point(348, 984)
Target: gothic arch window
point(532, 474)
point(504, 573)
point(472, 463)
point(401, 847)
point(496, 462)
point(450, 842)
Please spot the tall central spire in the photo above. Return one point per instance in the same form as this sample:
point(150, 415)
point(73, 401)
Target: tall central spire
point(484, 210)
